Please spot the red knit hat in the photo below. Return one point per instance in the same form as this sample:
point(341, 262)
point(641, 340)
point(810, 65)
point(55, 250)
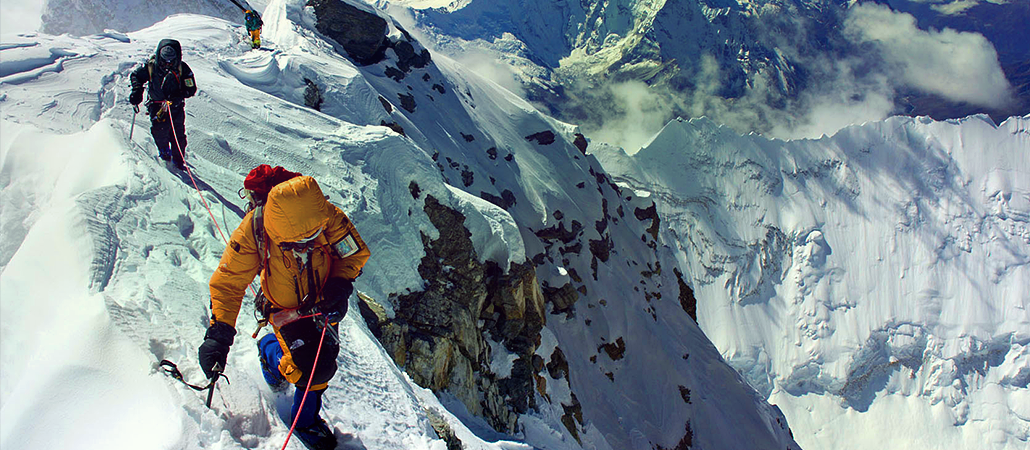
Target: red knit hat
point(263, 178)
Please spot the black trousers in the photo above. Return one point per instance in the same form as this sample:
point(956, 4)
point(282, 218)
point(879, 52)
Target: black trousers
point(169, 132)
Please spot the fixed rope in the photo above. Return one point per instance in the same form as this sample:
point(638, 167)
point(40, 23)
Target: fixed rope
point(182, 154)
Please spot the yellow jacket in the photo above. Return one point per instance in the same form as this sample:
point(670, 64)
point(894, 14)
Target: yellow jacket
point(295, 209)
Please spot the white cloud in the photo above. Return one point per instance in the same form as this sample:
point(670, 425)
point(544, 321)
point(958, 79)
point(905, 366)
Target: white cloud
point(636, 115)
point(955, 65)
point(21, 16)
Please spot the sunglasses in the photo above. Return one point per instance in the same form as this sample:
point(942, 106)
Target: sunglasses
point(304, 245)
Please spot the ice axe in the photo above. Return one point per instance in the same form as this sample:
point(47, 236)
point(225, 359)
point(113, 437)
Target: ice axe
point(135, 111)
point(171, 370)
point(217, 369)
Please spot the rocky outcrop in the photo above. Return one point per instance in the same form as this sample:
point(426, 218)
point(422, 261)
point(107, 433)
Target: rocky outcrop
point(313, 95)
point(445, 336)
point(363, 36)
point(687, 300)
point(545, 137)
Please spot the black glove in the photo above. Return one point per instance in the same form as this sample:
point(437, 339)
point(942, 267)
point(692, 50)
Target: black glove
point(136, 97)
point(215, 349)
point(336, 298)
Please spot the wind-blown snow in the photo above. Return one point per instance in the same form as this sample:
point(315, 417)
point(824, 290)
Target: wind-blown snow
point(874, 279)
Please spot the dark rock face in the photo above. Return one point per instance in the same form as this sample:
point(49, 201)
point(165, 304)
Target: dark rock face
point(545, 137)
point(408, 58)
point(687, 300)
point(393, 126)
point(580, 143)
point(615, 350)
point(506, 200)
point(386, 104)
point(361, 34)
point(407, 102)
point(649, 213)
point(312, 95)
point(441, 336)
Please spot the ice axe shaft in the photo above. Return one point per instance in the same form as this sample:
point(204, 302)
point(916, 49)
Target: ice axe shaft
point(135, 111)
point(217, 372)
point(211, 390)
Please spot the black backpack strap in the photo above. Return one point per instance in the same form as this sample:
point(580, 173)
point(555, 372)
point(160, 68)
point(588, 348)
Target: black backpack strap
point(258, 219)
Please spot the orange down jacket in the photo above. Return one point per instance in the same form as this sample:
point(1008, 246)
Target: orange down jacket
point(295, 209)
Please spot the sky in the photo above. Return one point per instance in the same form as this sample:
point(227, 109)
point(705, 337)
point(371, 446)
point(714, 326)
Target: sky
point(20, 16)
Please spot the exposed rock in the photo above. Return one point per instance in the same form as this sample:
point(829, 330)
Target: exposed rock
point(407, 57)
point(573, 412)
point(574, 248)
point(467, 137)
point(438, 88)
point(492, 152)
point(312, 95)
point(407, 102)
point(436, 335)
point(415, 190)
point(362, 34)
point(580, 143)
point(394, 73)
point(685, 442)
point(559, 232)
point(685, 393)
point(506, 200)
point(601, 248)
point(545, 137)
point(687, 300)
point(386, 104)
point(650, 213)
point(426, 77)
point(558, 368)
point(467, 177)
point(443, 429)
point(615, 350)
point(562, 298)
point(393, 126)
point(509, 157)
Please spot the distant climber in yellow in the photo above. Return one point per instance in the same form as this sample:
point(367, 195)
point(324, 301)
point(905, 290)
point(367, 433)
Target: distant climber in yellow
point(254, 22)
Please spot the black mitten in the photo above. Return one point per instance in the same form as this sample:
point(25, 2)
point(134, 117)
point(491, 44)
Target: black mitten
point(215, 349)
point(336, 298)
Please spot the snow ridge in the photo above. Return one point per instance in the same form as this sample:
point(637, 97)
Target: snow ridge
point(882, 270)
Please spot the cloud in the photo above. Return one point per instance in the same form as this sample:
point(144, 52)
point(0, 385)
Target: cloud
point(958, 66)
point(490, 65)
point(634, 116)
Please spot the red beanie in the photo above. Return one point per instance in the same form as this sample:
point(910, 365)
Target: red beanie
point(263, 178)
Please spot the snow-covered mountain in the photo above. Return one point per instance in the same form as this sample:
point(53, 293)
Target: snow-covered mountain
point(793, 68)
point(874, 283)
point(515, 293)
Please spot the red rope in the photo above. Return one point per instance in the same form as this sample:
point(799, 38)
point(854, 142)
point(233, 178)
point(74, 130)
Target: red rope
point(182, 154)
point(307, 389)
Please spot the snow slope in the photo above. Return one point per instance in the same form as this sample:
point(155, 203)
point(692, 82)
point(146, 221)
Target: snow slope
point(870, 282)
point(106, 254)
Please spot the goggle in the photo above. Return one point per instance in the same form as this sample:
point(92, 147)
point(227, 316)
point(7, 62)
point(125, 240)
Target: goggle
point(303, 245)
